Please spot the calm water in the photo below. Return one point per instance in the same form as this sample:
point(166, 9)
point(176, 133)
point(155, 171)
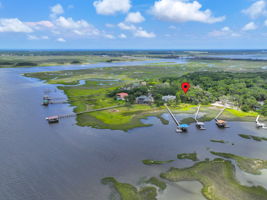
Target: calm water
point(66, 162)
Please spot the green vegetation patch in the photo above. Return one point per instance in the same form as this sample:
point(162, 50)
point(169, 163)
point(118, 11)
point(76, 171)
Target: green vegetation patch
point(156, 162)
point(218, 180)
point(253, 137)
point(218, 141)
point(190, 156)
point(56, 58)
point(155, 181)
point(129, 192)
point(249, 165)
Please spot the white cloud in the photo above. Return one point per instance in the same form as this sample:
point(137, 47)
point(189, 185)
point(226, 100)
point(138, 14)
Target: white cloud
point(224, 32)
point(14, 25)
point(122, 36)
point(109, 36)
point(257, 9)
point(56, 10)
point(40, 24)
point(110, 25)
point(110, 7)
point(70, 6)
point(226, 29)
point(79, 27)
point(61, 40)
point(172, 27)
point(44, 37)
point(143, 33)
point(34, 37)
point(126, 27)
point(249, 27)
point(134, 17)
point(183, 11)
point(137, 31)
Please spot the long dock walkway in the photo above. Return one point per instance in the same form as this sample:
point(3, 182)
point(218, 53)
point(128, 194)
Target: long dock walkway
point(172, 115)
point(220, 113)
point(196, 115)
point(88, 111)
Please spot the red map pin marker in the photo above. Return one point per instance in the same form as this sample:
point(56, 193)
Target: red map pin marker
point(185, 87)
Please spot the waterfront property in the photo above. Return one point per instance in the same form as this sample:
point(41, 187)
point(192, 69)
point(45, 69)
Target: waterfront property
point(168, 98)
point(122, 96)
point(144, 99)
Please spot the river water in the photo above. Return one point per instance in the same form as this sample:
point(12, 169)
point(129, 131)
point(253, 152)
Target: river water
point(63, 161)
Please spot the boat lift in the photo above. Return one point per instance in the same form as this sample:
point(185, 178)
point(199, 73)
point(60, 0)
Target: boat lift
point(221, 123)
point(199, 125)
point(259, 124)
point(180, 127)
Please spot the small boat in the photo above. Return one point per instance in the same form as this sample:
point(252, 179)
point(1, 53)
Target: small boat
point(200, 125)
point(182, 128)
point(259, 124)
point(53, 119)
point(221, 123)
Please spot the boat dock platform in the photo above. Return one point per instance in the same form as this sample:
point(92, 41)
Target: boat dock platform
point(199, 125)
point(259, 124)
point(180, 127)
point(221, 123)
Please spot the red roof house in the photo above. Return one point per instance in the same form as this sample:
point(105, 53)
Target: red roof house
point(122, 96)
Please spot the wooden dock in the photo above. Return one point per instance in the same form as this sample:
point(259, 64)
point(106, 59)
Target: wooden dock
point(60, 100)
point(221, 123)
point(172, 115)
point(199, 125)
point(180, 127)
point(259, 124)
point(88, 111)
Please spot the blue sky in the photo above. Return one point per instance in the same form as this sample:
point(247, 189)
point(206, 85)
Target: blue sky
point(133, 24)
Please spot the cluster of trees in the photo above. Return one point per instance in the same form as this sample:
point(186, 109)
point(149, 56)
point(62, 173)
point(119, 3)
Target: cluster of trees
point(245, 90)
point(133, 93)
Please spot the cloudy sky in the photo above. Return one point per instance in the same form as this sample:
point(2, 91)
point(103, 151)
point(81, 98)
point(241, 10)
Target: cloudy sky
point(133, 24)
